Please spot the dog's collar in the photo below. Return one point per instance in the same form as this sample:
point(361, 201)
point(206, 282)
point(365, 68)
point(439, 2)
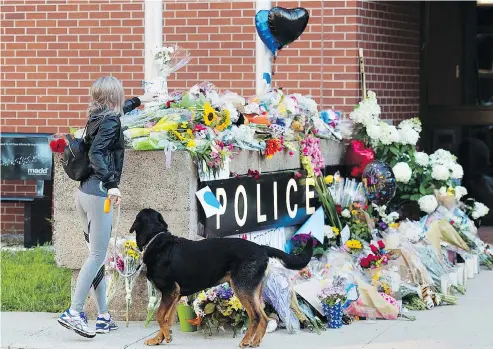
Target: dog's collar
point(149, 243)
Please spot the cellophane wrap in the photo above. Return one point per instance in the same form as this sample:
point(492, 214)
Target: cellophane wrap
point(277, 291)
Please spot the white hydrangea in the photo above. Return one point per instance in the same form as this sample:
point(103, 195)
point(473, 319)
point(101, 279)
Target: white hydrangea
point(480, 210)
point(457, 171)
point(460, 192)
point(422, 159)
point(373, 132)
point(442, 157)
point(440, 172)
point(413, 123)
point(388, 134)
point(428, 203)
point(408, 135)
point(367, 112)
point(402, 172)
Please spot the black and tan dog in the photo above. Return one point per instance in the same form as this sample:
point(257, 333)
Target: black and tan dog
point(180, 267)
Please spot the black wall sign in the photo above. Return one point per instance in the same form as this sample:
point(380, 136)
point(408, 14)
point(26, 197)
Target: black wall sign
point(273, 200)
point(26, 157)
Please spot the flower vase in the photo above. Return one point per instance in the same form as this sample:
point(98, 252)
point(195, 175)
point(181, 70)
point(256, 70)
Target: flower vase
point(185, 312)
point(333, 314)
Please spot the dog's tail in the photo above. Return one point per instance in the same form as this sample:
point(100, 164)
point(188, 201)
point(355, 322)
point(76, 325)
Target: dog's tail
point(290, 261)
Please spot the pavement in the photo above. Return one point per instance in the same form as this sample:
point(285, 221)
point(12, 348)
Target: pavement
point(465, 325)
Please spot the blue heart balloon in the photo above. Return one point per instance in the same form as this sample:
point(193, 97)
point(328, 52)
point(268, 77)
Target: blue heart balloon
point(262, 24)
point(211, 200)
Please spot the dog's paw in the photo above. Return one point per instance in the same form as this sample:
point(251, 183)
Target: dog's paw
point(153, 341)
point(245, 343)
point(168, 337)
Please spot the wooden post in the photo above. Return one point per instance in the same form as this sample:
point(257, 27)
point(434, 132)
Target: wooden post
point(362, 73)
point(262, 54)
point(153, 36)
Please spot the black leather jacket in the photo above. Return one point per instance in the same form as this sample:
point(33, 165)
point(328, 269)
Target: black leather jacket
point(104, 139)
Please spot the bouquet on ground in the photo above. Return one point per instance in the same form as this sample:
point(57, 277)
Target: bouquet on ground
point(333, 298)
point(379, 257)
point(217, 307)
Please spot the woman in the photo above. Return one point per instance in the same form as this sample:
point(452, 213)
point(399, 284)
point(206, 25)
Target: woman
point(104, 137)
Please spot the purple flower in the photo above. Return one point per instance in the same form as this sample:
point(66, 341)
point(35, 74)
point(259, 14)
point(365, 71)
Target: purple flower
point(224, 292)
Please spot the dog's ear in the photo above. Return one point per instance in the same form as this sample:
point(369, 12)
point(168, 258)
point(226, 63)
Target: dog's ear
point(163, 222)
point(135, 226)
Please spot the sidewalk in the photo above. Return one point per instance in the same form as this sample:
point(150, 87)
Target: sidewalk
point(466, 325)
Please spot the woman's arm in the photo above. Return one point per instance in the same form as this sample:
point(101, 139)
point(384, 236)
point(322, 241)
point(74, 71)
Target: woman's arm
point(131, 104)
point(108, 132)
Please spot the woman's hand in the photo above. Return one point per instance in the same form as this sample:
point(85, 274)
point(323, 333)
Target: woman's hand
point(148, 97)
point(115, 196)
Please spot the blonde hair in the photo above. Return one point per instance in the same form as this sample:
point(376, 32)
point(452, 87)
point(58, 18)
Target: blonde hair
point(106, 96)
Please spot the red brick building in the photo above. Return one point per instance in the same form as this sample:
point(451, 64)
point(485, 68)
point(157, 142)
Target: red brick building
point(52, 50)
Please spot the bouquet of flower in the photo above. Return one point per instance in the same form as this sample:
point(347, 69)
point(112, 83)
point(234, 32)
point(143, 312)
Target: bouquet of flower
point(335, 293)
point(124, 259)
point(377, 258)
point(356, 219)
point(217, 307)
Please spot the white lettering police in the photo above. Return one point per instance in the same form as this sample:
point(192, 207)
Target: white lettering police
point(241, 195)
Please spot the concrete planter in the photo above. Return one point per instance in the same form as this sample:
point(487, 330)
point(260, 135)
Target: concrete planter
point(147, 183)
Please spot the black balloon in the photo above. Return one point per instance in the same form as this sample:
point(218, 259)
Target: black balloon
point(286, 25)
point(379, 182)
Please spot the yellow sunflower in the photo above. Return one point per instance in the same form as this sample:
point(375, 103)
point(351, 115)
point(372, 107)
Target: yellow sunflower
point(226, 121)
point(209, 114)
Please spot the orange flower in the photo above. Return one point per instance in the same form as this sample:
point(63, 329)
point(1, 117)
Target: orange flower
point(272, 146)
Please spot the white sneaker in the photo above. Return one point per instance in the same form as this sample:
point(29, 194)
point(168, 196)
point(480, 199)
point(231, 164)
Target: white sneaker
point(78, 323)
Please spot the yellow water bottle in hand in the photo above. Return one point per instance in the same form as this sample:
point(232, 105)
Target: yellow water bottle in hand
point(107, 205)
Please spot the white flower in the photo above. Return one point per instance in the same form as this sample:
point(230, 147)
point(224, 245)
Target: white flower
point(373, 132)
point(457, 171)
point(329, 233)
point(480, 210)
point(402, 172)
point(413, 123)
point(442, 157)
point(460, 192)
point(346, 213)
point(367, 111)
point(408, 135)
point(422, 159)
point(440, 173)
point(428, 203)
point(443, 191)
point(388, 134)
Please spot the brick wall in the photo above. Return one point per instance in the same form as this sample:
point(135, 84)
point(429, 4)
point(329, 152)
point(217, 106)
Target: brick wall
point(52, 50)
point(389, 33)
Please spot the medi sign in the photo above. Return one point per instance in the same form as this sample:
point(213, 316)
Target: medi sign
point(248, 204)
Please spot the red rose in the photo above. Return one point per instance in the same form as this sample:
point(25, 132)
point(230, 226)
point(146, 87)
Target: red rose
point(365, 263)
point(381, 244)
point(58, 145)
point(371, 258)
point(339, 209)
point(374, 249)
point(168, 103)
